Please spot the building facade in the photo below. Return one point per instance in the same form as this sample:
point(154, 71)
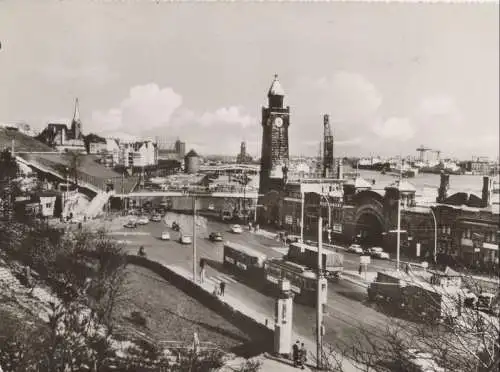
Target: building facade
point(275, 151)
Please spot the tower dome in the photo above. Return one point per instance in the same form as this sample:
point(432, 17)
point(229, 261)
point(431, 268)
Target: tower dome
point(276, 94)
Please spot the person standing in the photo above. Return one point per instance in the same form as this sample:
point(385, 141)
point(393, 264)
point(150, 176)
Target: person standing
point(222, 288)
point(302, 356)
point(295, 353)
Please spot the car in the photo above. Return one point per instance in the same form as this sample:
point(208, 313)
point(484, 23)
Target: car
point(156, 218)
point(378, 252)
point(355, 248)
point(215, 237)
point(185, 239)
point(236, 229)
point(226, 216)
point(165, 235)
point(143, 220)
point(130, 224)
point(292, 239)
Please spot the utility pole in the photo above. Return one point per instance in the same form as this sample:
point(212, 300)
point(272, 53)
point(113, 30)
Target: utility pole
point(302, 197)
point(319, 305)
point(194, 239)
point(398, 241)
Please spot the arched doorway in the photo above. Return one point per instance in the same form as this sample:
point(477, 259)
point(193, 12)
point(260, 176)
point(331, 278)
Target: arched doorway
point(369, 230)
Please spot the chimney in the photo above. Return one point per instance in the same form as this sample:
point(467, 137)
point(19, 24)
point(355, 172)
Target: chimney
point(486, 195)
point(443, 187)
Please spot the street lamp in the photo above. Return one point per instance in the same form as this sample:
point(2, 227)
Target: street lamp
point(435, 234)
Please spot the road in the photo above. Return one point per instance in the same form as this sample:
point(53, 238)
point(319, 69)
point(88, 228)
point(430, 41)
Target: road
point(346, 309)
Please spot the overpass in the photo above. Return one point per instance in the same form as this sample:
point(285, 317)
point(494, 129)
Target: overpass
point(189, 193)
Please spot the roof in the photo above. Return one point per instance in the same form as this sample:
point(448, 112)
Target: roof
point(464, 198)
point(191, 154)
point(359, 183)
point(403, 186)
point(276, 89)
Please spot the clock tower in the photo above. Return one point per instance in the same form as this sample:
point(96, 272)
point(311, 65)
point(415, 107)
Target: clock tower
point(275, 154)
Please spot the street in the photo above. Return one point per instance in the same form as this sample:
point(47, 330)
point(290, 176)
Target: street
point(346, 309)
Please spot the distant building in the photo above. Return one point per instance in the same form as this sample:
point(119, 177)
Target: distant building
point(243, 157)
point(137, 154)
point(175, 152)
point(479, 166)
point(61, 137)
point(192, 162)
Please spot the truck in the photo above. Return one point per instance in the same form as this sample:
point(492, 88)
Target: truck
point(307, 255)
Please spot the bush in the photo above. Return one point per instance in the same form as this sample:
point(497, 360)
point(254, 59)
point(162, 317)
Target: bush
point(137, 318)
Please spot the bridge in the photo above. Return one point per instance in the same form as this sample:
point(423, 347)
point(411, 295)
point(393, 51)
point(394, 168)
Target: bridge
point(194, 191)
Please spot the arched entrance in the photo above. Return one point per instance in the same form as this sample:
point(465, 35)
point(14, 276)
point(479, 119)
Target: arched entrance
point(369, 230)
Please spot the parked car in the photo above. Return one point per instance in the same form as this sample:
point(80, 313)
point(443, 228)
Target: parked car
point(143, 220)
point(226, 216)
point(378, 252)
point(355, 248)
point(185, 239)
point(215, 236)
point(156, 218)
point(165, 235)
point(130, 224)
point(236, 229)
point(292, 239)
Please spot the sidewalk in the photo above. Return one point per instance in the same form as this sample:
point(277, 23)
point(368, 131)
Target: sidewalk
point(274, 364)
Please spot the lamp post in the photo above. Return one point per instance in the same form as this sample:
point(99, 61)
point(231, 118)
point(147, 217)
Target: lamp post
point(319, 305)
point(398, 237)
point(435, 234)
point(194, 239)
point(302, 216)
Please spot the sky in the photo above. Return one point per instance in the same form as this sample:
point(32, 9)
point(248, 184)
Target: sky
point(391, 76)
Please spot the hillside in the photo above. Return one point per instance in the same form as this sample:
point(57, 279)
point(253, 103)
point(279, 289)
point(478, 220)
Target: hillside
point(22, 141)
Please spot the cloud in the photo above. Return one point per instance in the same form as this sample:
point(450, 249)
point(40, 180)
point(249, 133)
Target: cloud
point(147, 107)
point(348, 97)
point(394, 128)
point(227, 116)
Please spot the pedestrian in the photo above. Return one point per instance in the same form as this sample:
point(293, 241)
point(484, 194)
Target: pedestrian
point(222, 287)
point(360, 269)
point(302, 356)
point(202, 270)
point(295, 353)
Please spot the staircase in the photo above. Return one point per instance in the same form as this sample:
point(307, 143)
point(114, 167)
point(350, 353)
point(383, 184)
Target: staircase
point(97, 204)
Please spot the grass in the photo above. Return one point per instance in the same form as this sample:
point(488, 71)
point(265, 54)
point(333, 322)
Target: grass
point(22, 142)
point(171, 315)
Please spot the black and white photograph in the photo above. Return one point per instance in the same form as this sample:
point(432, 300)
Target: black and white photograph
point(244, 186)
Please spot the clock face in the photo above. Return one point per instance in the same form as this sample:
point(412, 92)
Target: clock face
point(278, 122)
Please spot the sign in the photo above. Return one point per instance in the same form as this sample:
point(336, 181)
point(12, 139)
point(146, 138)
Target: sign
point(229, 259)
point(364, 260)
point(418, 249)
point(288, 220)
point(337, 228)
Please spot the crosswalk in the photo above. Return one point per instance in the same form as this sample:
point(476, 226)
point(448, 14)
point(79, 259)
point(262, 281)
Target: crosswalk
point(217, 279)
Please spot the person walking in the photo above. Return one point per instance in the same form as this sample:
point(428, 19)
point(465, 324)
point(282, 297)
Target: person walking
point(295, 353)
point(202, 270)
point(222, 288)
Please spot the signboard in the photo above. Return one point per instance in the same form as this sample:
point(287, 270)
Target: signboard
point(288, 220)
point(337, 228)
point(364, 260)
point(418, 249)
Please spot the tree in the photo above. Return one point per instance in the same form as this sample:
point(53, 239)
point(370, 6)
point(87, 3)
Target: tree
point(430, 318)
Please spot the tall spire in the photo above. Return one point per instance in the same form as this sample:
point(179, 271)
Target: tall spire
point(276, 89)
point(76, 115)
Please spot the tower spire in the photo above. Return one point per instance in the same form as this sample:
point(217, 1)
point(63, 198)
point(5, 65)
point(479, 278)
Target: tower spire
point(76, 114)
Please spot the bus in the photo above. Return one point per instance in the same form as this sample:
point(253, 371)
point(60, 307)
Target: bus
point(303, 281)
point(243, 258)
point(303, 254)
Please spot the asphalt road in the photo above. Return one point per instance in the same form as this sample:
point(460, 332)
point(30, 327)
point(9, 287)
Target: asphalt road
point(346, 308)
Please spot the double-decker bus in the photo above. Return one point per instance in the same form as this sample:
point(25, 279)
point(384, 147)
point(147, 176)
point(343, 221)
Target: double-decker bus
point(307, 255)
point(303, 281)
point(244, 258)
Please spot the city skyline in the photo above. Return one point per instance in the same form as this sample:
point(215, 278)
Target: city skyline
point(391, 77)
